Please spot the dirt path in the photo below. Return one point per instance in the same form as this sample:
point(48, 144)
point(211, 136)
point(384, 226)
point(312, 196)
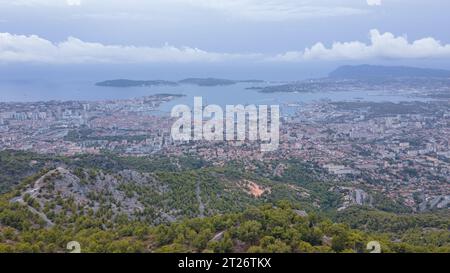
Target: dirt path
point(33, 193)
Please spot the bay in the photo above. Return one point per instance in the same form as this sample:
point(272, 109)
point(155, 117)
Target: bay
point(36, 90)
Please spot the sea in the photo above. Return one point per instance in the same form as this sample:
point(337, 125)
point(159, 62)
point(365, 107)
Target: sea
point(86, 90)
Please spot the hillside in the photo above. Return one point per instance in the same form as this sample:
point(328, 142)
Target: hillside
point(220, 189)
point(270, 228)
point(159, 204)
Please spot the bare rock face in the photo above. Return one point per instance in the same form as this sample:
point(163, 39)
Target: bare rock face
point(301, 213)
point(360, 197)
point(218, 236)
point(353, 196)
point(91, 190)
point(435, 202)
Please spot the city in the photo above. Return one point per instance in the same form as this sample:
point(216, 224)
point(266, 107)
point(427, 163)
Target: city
point(400, 150)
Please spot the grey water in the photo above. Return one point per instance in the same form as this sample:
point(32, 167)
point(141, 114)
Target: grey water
point(66, 90)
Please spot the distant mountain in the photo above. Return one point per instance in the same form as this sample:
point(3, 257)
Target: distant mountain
point(375, 72)
point(133, 83)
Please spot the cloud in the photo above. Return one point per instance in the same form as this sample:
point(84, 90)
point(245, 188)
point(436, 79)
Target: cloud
point(47, 3)
point(374, 2)
point(381, 46)
point(275, 10)
point(253, 10)
point(34, 49)
point(37, 2)
point(74, 2)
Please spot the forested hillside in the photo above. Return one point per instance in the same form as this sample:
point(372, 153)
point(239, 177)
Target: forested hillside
point(158, 204)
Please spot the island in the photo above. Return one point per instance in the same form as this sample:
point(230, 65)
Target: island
point(135, 83)
point(193, 81)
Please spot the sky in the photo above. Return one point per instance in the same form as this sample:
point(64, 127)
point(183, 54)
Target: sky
point(271, 39)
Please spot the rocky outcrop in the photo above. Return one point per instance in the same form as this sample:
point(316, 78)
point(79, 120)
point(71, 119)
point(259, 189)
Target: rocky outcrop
point(435, 202)
point(353, 196)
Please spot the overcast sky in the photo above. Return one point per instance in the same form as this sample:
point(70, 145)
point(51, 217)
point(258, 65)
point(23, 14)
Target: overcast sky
point(210, 33)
